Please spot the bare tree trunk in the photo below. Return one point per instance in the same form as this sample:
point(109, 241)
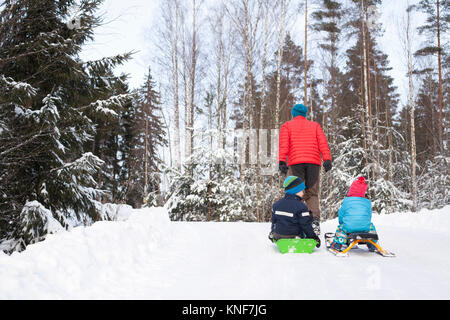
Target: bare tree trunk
point(146, 113)
point(184, 74)
point(192, 81)
point(144, 200)
point(174, 49)
point(223, 60)
point(362, 109)
point(281, 28)
point(264, 65)
point(377, 124)
point(247, 25)
point(391, 150)
point(226, 76)
point(168, 137)
point(433, 118)
point(441, 127)
point(366, 85)
point(306, 53)
point(333, 89)
point(279, 60)
point(411, 112)
point(328, 177)
point(310, 98)
point(248, 97)
point(210, 125)
point(259, 195)
point(370, 129)
point(219, 63)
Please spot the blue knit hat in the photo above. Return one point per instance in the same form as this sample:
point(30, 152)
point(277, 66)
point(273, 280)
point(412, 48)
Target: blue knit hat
point(299, 110)
point(293, 185)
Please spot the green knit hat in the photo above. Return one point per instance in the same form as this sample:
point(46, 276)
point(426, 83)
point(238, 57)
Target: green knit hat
point(293, 185)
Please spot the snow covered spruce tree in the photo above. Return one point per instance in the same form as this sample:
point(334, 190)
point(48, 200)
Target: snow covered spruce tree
point(348, 164)
point(209, 188)
point(364, 135)
point(50, 106)
point(435, 181)
point(108, 142)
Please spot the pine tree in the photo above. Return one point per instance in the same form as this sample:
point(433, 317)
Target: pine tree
point(50, 109)
point(367, 95)
point(328, 20)
point(348, 164)
point(433, 184)
point(147, 130)
point(213, 191)
point(291, 79)
point(427, 118)
point(437, 24)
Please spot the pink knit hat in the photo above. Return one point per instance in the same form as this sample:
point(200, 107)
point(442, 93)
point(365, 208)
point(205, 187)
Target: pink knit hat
point(358, 188)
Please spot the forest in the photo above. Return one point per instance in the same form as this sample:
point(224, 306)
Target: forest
point(200, 135)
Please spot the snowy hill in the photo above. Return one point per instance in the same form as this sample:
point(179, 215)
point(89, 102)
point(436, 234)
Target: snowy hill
point(149, 257)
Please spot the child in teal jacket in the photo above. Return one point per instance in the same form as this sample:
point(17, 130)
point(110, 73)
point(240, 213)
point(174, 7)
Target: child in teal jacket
point(355, 215)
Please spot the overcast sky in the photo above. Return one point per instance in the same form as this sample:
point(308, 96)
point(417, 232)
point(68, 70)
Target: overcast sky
point(128, 24)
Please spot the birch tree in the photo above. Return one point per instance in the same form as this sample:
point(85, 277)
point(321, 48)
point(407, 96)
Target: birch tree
point(306, 54)
point(190, 71)
point(224, 38)
point(411, 109)
point(281, 35)
point(328, 19)
point(169, 36)
point(366, 72)
point(246, 16)
point(260, 208)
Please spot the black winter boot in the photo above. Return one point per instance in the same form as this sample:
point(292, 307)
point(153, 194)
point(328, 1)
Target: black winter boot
point(316, 225)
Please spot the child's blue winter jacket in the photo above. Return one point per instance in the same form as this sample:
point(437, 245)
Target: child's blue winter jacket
point(355, 214)
point(290, 216)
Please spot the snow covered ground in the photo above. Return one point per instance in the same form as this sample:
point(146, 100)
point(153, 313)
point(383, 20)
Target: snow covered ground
point(149, 257)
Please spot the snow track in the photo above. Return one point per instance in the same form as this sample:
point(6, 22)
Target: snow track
point(149, 257)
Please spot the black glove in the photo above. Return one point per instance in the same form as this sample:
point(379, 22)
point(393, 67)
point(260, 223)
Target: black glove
point(318, 242)
point(327, 165)
point(283, 167)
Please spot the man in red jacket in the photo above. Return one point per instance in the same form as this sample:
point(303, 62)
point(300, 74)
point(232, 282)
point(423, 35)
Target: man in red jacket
point(304, 145)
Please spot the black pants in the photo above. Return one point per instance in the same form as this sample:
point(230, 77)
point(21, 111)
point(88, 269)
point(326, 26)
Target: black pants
point(310, 173)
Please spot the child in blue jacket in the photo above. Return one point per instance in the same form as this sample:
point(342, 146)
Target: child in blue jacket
point(290, 215)
point(355, 215)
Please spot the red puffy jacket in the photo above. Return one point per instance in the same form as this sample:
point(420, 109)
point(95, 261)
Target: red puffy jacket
point(302, 141)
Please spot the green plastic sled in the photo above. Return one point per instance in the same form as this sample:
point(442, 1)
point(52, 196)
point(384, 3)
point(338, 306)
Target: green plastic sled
point(296, 245)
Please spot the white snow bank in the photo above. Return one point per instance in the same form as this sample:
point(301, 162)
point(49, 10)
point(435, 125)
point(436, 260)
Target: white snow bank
point(434, 221)
point(149, 257)
point(85, 261)
point(115, 212)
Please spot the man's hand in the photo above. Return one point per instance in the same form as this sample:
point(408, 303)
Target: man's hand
point(327, 165)
point(283, 167)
